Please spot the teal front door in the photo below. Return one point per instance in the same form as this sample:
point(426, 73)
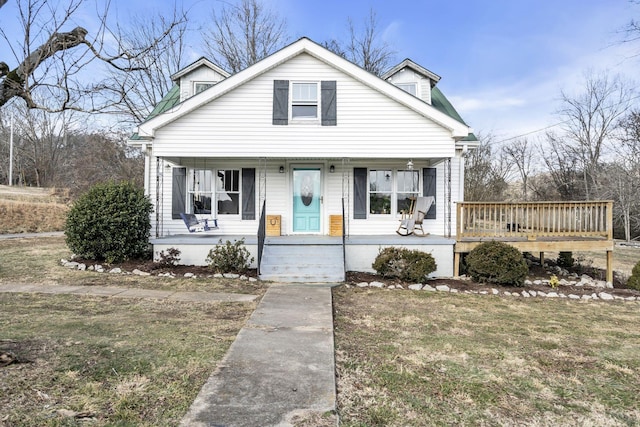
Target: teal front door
point(307, 200)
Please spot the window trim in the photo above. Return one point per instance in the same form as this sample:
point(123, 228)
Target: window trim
point(203, 82)
point(239, 192)
point(394, 213)
point(414, 85)
point(317, 103)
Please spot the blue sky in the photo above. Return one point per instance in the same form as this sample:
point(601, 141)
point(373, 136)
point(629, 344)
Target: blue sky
point(503, 63)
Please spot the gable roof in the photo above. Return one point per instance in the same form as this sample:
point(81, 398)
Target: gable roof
point(458, 128)
point(407, 63)
point(197, 64)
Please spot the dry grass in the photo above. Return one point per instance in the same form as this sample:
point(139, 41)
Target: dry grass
point(108, 361)
point(102, 361)
point(419, 358)
point(29, 210)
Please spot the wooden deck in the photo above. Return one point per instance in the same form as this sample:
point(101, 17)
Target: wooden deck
point(536, 227)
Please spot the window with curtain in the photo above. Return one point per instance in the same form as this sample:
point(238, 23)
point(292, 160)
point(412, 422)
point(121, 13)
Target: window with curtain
point(407, 189)
point(228, 191)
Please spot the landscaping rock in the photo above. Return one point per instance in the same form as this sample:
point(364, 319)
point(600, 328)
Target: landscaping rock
point(525, 294)
point(82, 267)
point(443, 288)
point(533, 293)
point(140, 273)
point(415, 286)
point(605, 296)
point(363, 284)
point(189, 275)
point(428, 288)
point(573, 296)
point(494, 291)
point(116, 270)
point(218, 275)
point(376, 285)
point(252, 279)
point(231, 275)
point(71, 264)
point(552, 295)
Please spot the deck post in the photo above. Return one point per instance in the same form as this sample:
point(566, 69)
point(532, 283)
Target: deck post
point(610, 266)
point(456, 264)
point(542, 259)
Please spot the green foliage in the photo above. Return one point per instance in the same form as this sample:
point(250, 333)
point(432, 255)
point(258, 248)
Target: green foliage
point(405, 264)
point(634, 280)
point(169, 258)
point(229, 257)
point(565, 260)
point(110, 222)
point(497, 262)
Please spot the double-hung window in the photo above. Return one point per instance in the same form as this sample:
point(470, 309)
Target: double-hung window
point(199, 192)
point(380, 191)
point(228, 191)
point(304, 101)
point(407, 189)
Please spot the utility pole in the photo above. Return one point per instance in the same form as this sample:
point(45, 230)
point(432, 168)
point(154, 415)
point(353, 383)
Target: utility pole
point(11, 153)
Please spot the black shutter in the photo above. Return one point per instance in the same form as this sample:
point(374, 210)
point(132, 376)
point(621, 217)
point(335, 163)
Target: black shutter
point(281, 102)
point(359, 193)
point(429, 189)
point(328, 97)
point(178, 191)
point(248, 194)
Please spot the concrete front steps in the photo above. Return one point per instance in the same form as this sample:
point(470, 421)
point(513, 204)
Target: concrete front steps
point(302, 263)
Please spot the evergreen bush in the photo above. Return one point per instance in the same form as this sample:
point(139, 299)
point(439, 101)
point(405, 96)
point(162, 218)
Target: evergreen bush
point(565, 259)
point(110, 222)
point(229, 257)
point(404, 264)
point(634, 280)
point(497, 262)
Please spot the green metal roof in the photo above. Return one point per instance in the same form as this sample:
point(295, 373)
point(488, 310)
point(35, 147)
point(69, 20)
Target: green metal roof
point(442, 104)
point(170, 100)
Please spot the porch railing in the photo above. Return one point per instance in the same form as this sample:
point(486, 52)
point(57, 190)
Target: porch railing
point(535, 219)
point(262, 232)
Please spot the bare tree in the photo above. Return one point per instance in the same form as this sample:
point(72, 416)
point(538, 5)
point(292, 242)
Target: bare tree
point(622, 177)
point(589, 120)
point(52, 63)
point(365, 46)
point(520, 153)
point(485, 172)
point(134, 94)
point(243, 34)
point(562, 166)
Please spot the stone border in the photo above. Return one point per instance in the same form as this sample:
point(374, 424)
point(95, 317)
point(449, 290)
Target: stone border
point(100, 269)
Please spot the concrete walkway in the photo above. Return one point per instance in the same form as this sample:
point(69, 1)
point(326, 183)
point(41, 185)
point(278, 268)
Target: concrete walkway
point(119, 292)
point(281, 364)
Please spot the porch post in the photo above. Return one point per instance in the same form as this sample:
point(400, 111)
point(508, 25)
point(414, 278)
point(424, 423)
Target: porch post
point(456, 264)
point(610, 266)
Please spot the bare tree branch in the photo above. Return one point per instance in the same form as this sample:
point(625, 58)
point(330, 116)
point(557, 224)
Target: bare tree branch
point(243, 34)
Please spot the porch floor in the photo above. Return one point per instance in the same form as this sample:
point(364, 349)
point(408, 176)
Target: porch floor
point(306, 239)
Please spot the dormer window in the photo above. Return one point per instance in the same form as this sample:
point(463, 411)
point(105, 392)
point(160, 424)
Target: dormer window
point(411, 88)
point(201, 86)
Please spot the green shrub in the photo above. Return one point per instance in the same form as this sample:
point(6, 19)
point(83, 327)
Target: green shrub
point(110, 222)
point(497, 262)
point(634, 280)
point(229, 257)
point(404, 264)
point(565, 260)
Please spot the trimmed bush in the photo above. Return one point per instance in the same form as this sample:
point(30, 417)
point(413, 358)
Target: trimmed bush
point(497, 262)
point(404, 264)
point(110, 222)
point(229, 257)
point(634, 280)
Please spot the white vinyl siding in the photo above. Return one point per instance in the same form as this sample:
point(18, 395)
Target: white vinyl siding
point(239, 123)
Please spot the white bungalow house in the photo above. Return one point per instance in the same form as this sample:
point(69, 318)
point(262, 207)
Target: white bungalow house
point(312, 149)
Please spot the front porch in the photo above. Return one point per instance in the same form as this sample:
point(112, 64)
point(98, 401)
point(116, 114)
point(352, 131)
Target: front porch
point(357, 253)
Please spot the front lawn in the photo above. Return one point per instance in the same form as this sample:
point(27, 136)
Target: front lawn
point(416, 358)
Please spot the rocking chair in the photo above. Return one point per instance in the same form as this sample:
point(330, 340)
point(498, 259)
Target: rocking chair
point(411, 222)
